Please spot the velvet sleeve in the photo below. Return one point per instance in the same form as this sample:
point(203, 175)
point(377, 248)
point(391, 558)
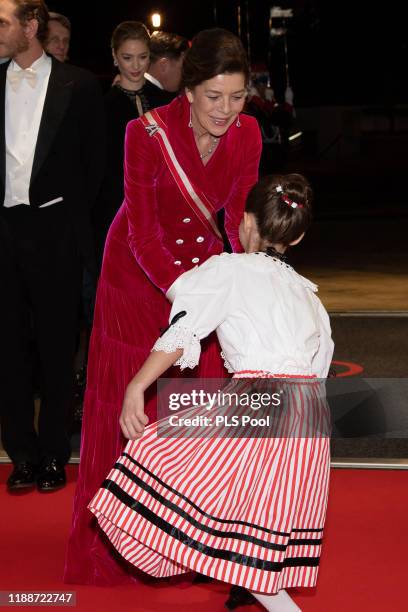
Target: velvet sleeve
point(143, 163)
point(246, 177)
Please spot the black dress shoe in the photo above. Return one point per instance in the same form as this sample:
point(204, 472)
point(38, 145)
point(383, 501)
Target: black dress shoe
point(51, 475)
point(239, 597)
point(23, 476)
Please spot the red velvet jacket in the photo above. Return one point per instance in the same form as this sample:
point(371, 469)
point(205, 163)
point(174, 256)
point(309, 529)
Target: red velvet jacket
point(164, 235)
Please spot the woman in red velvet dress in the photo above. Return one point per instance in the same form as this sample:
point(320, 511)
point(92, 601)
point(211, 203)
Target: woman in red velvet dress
point(155, 237)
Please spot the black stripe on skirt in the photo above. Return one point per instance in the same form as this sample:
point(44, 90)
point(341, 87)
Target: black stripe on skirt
point(225, 555)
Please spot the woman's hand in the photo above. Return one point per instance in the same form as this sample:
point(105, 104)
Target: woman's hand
point(133, 419)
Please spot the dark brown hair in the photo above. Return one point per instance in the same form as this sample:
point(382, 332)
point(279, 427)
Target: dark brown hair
point(278, 222)
point(165, 44)
point(213, 52)
point(33, 9)
point(129, 30)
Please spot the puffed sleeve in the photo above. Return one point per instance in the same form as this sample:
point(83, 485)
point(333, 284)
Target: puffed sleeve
point(203, 299)
point(246, 178)
point(142, 166)
point(322, 359)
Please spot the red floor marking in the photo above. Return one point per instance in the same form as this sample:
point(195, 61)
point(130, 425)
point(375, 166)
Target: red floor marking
point(352, 369)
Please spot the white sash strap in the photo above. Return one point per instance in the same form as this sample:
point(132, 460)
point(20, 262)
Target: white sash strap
point(198, 202)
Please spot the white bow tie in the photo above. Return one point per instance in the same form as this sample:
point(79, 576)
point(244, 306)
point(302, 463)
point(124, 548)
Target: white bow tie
point(15, 77)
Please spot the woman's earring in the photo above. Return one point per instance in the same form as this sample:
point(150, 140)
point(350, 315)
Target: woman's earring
point(190, 123)
point(238, 123)
point(115, 63)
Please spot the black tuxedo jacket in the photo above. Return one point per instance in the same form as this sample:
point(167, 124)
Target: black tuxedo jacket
point(69, 159)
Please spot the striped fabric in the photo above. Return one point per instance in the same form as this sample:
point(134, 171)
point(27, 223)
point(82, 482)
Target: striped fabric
point(247, 511)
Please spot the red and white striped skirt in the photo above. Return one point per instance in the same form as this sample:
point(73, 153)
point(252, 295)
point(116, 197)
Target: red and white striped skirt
point(247, 511)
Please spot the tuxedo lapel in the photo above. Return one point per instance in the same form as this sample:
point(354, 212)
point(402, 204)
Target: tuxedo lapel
point(56, 102)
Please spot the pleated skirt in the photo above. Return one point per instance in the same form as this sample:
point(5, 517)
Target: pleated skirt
point(247, 511)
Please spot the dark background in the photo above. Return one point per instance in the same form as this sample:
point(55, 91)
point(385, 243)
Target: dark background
point(340, 52)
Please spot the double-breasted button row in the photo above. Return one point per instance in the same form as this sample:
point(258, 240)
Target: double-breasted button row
point(195, 260)
point(198, 239)
point(180, 241)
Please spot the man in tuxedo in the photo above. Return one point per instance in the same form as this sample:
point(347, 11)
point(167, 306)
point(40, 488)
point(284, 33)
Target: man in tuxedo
point(166, 59)
point(51, 165)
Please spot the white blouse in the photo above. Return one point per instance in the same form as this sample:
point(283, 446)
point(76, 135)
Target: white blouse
point(267, 316)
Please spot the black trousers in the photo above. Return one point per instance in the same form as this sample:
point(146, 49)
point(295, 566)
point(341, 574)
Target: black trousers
point(40, 279)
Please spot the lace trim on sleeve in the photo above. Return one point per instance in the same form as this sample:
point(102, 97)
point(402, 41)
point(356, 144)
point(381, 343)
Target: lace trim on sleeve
point(177, 337)
point(227, 364)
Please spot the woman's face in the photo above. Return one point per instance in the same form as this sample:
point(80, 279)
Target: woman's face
point(133, 59)
point(216, 103)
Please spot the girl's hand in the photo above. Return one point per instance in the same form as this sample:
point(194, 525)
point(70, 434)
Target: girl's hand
point(133, 419)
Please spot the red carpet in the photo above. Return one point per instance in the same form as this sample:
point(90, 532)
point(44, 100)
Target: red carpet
point(364, 566)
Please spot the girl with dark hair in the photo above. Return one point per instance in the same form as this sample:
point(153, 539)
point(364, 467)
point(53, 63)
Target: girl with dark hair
point(244, 509)
point(183, 163)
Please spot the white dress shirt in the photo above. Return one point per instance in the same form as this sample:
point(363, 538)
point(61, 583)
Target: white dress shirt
point(151, 78)
point(267, 316)
point(23, 112)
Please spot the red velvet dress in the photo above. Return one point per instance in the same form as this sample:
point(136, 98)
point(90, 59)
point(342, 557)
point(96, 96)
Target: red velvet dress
point(154, 237)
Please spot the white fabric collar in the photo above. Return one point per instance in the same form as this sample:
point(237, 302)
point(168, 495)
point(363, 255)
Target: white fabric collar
point(40, 65)
point(151, 78)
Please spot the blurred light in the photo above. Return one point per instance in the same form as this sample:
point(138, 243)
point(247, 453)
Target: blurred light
point(294, 136)
point(156, 20)
point(277, 11)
